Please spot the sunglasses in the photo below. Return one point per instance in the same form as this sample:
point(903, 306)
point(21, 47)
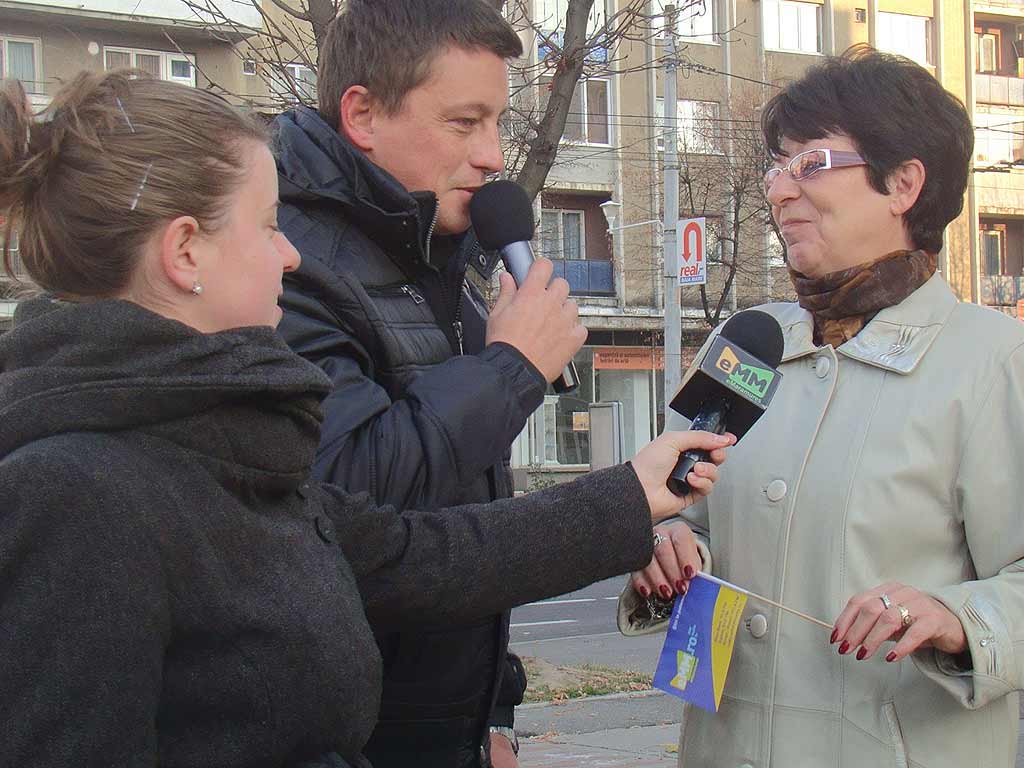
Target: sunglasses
point(806, 164)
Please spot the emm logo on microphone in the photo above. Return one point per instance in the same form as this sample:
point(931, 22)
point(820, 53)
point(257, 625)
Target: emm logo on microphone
point(751, 378)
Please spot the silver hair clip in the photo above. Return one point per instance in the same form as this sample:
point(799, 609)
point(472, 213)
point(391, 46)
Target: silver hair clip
point(145, 176)
point(142, 186)
point(125, 114)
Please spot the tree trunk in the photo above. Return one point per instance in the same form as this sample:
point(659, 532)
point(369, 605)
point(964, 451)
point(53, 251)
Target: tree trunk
point(544, 146)
point(321, 14)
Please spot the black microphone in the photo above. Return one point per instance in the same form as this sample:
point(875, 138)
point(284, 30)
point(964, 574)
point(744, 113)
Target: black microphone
point(731, 387)
point(502, 217)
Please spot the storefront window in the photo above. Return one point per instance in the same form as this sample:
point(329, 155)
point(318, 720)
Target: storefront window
point(572, 429)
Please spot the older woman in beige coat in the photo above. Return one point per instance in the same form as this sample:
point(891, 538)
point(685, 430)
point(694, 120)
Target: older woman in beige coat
point(884, 488)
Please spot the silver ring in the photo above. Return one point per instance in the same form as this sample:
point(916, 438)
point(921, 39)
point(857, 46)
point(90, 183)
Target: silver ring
point(885, 601)
point(658, 539)
point(905, 618)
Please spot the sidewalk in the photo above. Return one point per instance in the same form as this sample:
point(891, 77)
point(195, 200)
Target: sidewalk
point(638, 730)
point(652, 746)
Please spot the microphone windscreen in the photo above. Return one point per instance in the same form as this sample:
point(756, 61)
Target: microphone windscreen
point(501, 213)
point(758, 333)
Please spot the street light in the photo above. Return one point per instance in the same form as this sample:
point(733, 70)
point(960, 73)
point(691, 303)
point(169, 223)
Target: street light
point(610, 209)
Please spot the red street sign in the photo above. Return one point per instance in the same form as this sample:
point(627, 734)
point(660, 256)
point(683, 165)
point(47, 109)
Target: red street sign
point(693, 270)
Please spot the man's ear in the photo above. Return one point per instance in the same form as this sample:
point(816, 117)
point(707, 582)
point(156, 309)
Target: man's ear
point(905, 184)
point(182, 252)
point(355, 117)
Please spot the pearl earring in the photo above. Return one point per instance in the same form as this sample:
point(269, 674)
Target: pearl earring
point(197, 289)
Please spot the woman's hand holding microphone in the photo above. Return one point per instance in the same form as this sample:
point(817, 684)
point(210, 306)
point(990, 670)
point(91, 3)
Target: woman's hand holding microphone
point(656, 460)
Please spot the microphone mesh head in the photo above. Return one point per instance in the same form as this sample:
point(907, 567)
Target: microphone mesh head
point(758, 333)
point(501, 213)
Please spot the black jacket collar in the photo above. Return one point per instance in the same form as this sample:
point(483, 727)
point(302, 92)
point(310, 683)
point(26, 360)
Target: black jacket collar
point(315, 163)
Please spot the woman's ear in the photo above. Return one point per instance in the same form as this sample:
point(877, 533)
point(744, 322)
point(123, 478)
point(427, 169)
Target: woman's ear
point(355, 117)
point(905, 184)
point(182, 251)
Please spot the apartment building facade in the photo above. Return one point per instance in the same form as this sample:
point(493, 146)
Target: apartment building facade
point(600, 214)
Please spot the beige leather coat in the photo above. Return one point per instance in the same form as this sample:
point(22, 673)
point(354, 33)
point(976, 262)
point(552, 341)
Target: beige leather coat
point(898, 456)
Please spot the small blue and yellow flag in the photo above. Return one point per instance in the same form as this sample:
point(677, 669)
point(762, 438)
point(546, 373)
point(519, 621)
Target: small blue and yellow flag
point(698, 648)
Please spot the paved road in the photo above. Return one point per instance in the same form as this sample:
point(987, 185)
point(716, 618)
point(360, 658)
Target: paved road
point(579, 628)
point(586, 612)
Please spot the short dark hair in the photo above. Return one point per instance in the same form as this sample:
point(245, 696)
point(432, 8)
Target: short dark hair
point(894, 111)
point(388, 46)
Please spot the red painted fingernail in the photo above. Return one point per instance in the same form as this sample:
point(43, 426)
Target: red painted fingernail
point(844, 647)
point(645, 592)
point(688, 571)
point(891, 656)
point(835, 634)
point(665, 591)
point(862, 653)
point(680, 587)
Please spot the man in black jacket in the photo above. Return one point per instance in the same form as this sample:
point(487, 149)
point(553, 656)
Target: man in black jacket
point(428, 392)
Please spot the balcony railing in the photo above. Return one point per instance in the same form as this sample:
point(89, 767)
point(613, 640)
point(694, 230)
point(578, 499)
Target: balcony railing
point(1002, 290)
point(984, 5)
point(999, 89)
point(586, 278)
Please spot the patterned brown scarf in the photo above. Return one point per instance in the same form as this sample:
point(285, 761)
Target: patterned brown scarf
point(844, 302)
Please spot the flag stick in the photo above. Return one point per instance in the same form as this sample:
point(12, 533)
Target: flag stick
point(764, 599)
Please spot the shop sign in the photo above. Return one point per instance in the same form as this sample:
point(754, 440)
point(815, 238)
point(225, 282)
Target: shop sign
point(629, 359)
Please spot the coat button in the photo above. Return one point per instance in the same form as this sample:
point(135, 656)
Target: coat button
point(776, 490)
point(822, 366)
point(757, 625)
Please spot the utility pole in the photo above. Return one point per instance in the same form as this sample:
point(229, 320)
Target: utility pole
point(673, 319)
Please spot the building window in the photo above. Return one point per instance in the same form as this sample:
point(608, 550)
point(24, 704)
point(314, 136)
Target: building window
point(558, 433)
point(12, 251)
point(248, 67)
point(549, 15)
point(993, 250)
point(998, 139)
point(695, 23)
point(19, 60)
point(587, 121)
point(696, 126)
point(714, 247)
point(792, 26)
point(293, 83)
point(986, 51)
point(561, 234)
point(163, 65)
point(909, 36)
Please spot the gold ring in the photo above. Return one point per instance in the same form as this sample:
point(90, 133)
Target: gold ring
point(905, 618)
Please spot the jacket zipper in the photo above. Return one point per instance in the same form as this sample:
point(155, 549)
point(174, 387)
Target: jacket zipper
point(430, 230)
point(396, 290)
point(456, 311)
point(412, 293)
point(457, 323)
